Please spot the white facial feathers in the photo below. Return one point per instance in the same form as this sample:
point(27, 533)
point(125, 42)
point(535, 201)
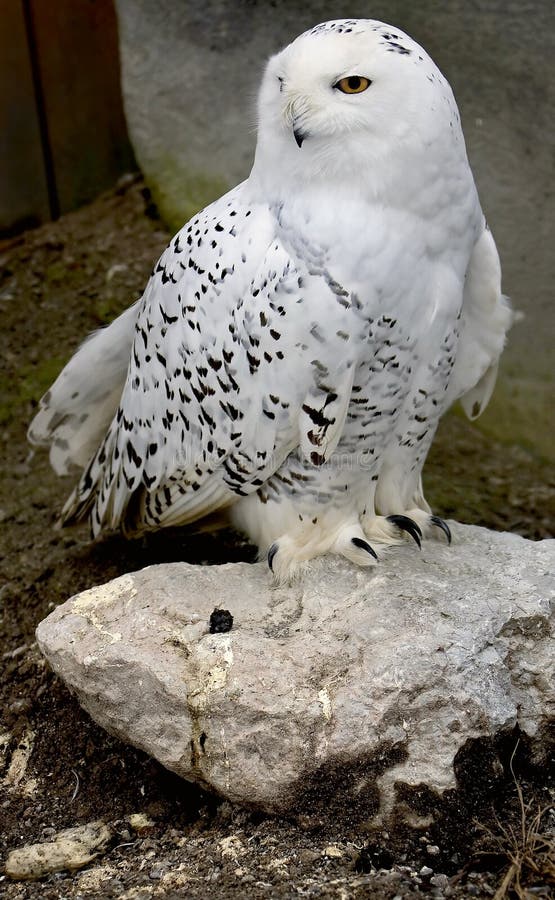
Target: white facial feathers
point(322, 129)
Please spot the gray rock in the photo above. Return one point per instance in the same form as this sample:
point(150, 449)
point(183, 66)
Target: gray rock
point(350, 684)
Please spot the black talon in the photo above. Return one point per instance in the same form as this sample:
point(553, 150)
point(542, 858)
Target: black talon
point(435, 520)
point(271, 553)
point(364, 545)
point(408, 525)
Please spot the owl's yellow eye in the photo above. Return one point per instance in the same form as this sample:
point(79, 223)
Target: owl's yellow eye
point(353, 84)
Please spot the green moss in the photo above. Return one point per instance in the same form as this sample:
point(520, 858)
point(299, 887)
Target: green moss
point(34, 381)
point(55, 271)
point(179, 193)
point(521, 412)
point(107, 309)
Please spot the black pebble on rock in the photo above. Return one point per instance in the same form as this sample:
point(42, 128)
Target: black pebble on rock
point(221, 621)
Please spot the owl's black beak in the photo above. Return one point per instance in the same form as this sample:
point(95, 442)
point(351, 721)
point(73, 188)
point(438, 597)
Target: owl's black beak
point(299, 135)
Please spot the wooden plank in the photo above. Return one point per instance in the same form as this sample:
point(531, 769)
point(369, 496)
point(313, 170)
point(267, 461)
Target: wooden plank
point(78, 60)
point(23, 187)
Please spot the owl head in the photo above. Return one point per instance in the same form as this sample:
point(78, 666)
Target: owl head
point(349, 95)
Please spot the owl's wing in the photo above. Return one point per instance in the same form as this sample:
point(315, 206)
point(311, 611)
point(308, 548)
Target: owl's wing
point(485, 319)
point(75, 412)
point(230, 371)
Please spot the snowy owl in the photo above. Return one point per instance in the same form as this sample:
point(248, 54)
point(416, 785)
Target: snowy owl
point(300, 338)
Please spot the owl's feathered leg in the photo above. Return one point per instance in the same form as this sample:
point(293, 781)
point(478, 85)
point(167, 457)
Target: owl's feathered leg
point(415, 522)
point(288, 554)
point(409, 526)
point(390, 529)
point(405, 510)
point(292, 534)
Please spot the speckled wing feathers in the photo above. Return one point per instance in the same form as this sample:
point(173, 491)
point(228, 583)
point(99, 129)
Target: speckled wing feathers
point(228, 374)
point(74, 414)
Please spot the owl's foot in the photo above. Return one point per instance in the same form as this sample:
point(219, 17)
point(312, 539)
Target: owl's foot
point(416, 523)
point(286, 560)
point(409, 526)
point(440, 523)
point(429, 523)
point(288, 556)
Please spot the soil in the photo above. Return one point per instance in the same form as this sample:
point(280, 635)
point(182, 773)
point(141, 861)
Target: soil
point(58, 283)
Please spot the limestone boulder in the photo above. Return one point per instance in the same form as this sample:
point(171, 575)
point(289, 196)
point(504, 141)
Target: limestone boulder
point(357, 684)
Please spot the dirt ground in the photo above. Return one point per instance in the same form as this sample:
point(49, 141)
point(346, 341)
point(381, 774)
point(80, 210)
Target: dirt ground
point(58, 769)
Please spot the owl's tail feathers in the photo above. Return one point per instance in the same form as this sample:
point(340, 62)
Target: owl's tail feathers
point(75, 413)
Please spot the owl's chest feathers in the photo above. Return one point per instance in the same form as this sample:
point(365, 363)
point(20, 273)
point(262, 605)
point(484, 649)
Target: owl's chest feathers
point(399, 277)
point(390, 247)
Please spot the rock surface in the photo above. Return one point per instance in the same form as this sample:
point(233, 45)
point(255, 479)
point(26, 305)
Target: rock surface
point(354, 687)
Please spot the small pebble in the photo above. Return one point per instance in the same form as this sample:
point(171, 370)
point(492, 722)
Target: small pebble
point(425, 870)
point(72, 849)
point(141, 823)
point(22, 705)
point(333, 852)
point(432, 849)
point(157, 872)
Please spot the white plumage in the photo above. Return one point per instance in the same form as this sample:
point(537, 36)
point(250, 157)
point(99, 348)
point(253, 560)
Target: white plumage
point(300, 338)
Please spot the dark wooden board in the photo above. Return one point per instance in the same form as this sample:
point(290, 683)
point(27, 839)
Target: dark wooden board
point(23, 188)
point(63, 136)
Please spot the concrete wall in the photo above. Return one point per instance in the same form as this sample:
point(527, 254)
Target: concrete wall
point(190, 76)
